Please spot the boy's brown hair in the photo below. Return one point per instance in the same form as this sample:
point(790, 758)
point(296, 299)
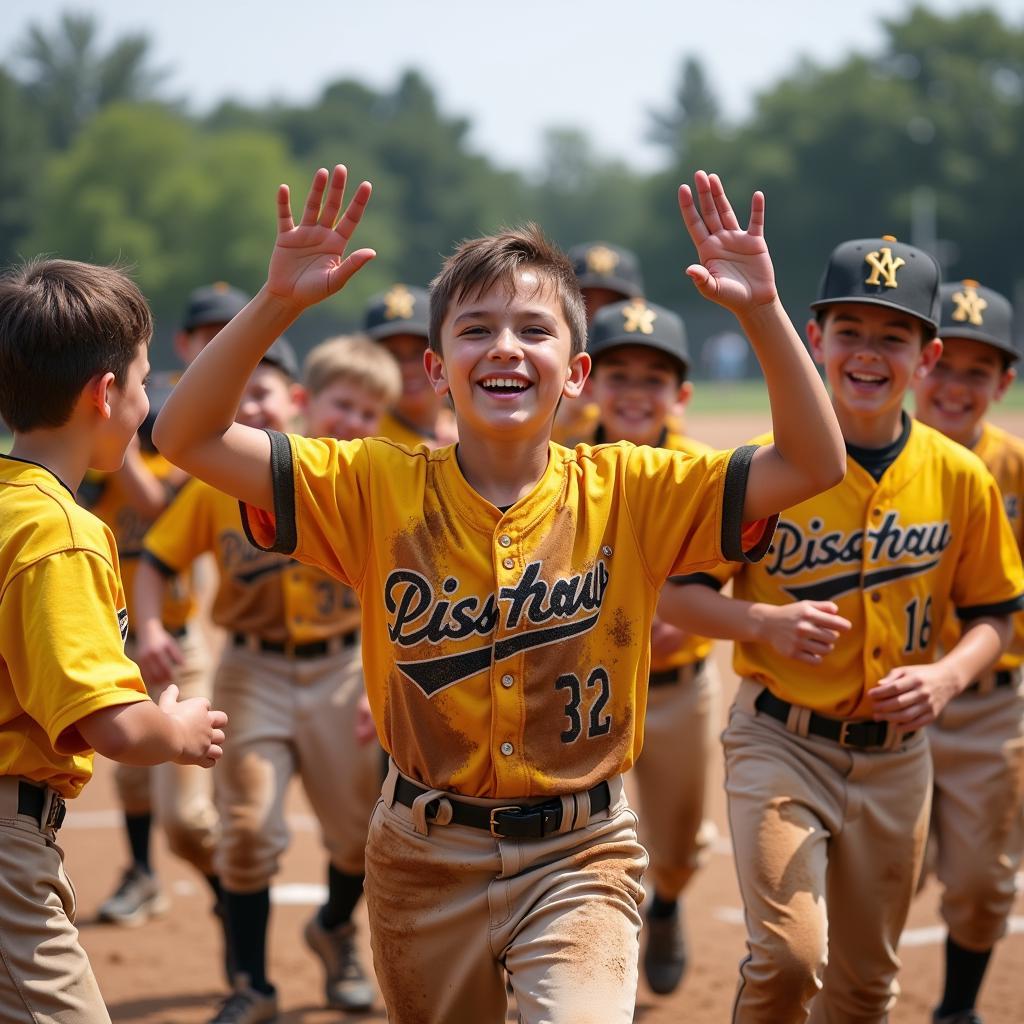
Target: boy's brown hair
point(61, 324)
point(481, 263)
point(357, 359)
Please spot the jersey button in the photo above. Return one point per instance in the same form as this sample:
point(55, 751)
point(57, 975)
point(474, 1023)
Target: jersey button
point(509, 563)
point(876, 512)
point(504, 540)
point(876, 596)
point(877, 652)
point(507, 681)
point(507, 749)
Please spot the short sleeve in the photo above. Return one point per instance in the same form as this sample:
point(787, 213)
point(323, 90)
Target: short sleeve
point(687, 510)
point(321, 512)
point(183, 531)
point(989, 579)
point(63, 625)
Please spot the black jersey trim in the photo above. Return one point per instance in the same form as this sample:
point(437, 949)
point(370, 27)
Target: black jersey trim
point(984, 611)
point(736, 476)
point(704, 579)
point(161, 566)
point(39, 465)
point(282, 474)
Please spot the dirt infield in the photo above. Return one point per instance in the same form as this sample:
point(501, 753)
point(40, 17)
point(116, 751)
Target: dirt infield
point(168, 971)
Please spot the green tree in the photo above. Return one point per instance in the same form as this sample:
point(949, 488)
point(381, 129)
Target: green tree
point(695, 110)
point(22, 145)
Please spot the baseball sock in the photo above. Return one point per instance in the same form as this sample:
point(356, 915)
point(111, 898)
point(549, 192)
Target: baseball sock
point(139, 827)
point(661, 908)
point(248, 914)
point(343, 892)
point(965, 970)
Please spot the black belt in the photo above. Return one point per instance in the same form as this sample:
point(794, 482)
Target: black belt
point(863, 735)
point(178, 632)
point(314, 649)
point(670, 676)
point(1004, 677)
point(32, 801)
point(507, 822)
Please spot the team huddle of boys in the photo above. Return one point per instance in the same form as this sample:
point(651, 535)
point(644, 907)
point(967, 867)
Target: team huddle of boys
point(481, 587)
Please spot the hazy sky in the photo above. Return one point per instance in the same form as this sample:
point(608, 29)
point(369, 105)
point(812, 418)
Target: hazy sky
point(512, 68)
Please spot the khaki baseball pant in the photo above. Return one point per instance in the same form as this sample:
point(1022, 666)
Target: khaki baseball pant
point(450, 906)
point(180, 796)
point(978, 811)
point(45, 976)
point(291, 717)
point(828, 844)
point(671, 776)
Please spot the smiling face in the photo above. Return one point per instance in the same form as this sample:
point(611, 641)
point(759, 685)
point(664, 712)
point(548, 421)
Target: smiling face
point(955, 396)
point(269, 401)
point(635, 388)
point(345, 410)
point(871, 355)
point(505, 360)
point(418, 399)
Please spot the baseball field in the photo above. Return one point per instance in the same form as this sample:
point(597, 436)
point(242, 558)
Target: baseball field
point(168, 971)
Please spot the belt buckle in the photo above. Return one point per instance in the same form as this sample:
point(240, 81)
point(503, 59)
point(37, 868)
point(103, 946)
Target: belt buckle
point(844, 732)
point(499, 810)
point(55, 813)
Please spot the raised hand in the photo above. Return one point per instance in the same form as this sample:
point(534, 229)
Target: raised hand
point(735, 269)
point(308, 263)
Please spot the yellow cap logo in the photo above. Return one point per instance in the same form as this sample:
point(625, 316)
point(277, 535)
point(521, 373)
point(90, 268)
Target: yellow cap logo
point(399, 303)
point(602, 260)
point(969, 305)
point(638, 317)
point(883, 267)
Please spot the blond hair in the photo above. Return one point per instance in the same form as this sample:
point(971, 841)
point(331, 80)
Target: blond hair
point(357, 359)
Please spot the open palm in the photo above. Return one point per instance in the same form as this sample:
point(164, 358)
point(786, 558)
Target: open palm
point(308, 263)
point(735, 269)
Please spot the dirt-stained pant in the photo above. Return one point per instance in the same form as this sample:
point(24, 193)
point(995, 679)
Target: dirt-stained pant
point(180, 796)
point(45, 976)
point(671, 776)
point(828, 844)
point(977, 833)
point(291, 717)
point(450, 906)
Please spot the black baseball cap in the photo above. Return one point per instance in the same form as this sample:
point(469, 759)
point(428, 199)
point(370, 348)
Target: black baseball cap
point(970, 310)
point(213, 304)
point(603, 265)
point(883, 272)
point(282, 355)
point(402, 309)
point(638, 322)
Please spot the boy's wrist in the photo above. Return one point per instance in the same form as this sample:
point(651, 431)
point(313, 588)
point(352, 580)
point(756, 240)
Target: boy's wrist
point(755, 318)
point(277, 311)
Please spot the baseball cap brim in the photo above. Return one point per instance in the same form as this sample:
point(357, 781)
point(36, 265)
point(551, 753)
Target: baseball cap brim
point(630, 341)
point(972, 334)
point(868, 300)
point(393, 327)
point(628, 289)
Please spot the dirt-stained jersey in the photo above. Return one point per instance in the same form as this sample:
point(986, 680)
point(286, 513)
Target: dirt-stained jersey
point(62, 628)
point(897, 556)
point(129, 526)
point(506, 654)
point(268, 595)
point(1003, 454)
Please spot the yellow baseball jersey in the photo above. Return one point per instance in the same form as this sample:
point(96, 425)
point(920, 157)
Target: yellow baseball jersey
point(268, 595)
point(63, 623)
point(1003, 454)
point(579, 422)
point(506, 654)
point(129, 526)
point(897, 556)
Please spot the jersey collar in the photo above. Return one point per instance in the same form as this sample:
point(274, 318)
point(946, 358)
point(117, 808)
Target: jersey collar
point(49, 472)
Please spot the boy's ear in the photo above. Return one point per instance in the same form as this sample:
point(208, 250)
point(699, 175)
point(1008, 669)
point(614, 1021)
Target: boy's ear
point(931, 352)
point(685, 392)
point(434, 365)
point(576, 375)
point(98, 392)
point(300, 397)
point(816, 340)
point(1009, 375)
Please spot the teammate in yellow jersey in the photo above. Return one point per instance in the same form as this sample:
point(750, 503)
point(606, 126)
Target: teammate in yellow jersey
point(827, 769)
point(977, 742)
point(507, 589)
point(606, 274)
point(74, 358)
point(398, 320)
point(639, 378)
point(290, 678)
point(128, 501)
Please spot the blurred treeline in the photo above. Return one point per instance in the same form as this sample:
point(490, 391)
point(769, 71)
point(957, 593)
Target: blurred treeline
point(924, 140)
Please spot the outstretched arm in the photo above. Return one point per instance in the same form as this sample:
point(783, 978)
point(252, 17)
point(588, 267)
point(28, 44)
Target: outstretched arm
point(196, 428)
point(735, 270)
